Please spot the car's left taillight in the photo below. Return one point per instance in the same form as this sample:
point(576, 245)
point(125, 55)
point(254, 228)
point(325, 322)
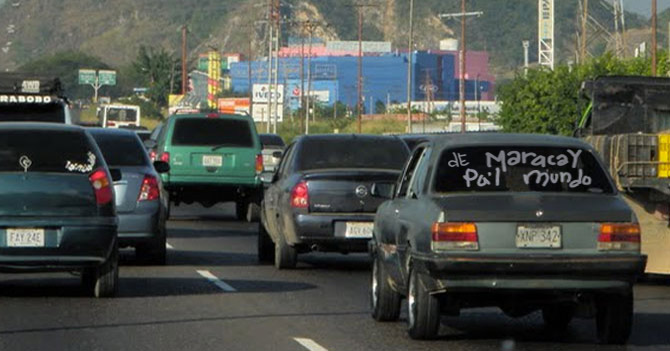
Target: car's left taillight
point(149, 189)
point(300, 195)
point(454, 236)
point(259, 164)
point(102, 186)
point(619, 237)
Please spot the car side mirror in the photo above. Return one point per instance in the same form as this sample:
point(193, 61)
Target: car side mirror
point(277, 154)
point(116, 174)
point(161, 166)
point(150, 144)
point(382, 190)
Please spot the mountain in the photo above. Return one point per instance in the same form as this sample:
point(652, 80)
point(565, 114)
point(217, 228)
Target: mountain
point(113, 30)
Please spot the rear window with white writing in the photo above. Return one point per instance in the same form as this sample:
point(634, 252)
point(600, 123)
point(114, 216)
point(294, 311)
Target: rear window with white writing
point(545, 169)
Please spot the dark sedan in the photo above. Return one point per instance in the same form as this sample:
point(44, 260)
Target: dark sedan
point(319, 199)
point(57, 208)
point(521, 222)
point(141, 203)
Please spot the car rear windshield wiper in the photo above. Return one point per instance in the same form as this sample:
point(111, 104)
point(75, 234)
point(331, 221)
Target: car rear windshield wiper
point(220, 146)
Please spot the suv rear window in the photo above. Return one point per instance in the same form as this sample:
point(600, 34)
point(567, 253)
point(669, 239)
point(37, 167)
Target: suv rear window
point(121, 150)
point(66, 152)
point(271, 140)
point(53, 113)
point(121, 115)
point(545, 169)
point(212, 132)
point(352, 153)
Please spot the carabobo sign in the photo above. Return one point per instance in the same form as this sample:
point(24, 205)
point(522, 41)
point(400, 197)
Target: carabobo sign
point(25, 99)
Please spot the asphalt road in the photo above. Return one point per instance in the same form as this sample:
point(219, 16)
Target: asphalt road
point(213, 295)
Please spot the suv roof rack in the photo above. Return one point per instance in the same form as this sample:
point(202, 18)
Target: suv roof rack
point(26, 83)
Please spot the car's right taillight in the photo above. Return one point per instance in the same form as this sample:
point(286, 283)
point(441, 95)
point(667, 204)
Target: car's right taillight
point(619, 237)
point(300, 196)
point(101, 186)
point(259, 164)
point(149, 189)
point(454, 236)
point(165, 157)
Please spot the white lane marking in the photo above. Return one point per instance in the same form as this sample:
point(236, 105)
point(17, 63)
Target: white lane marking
point(310, 344)
point(168, 246)
point(216, 281)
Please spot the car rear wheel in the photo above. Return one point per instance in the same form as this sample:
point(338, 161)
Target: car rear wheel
point(103, 281)
point(286, 256)
point(614, 317)
point(266, 250)
point(385, 301)
point(557, 317)
point(241, 207)
point(423, 310)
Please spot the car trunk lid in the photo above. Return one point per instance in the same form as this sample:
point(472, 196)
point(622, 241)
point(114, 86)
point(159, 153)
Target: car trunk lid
point(345, 191)
point(127, 190)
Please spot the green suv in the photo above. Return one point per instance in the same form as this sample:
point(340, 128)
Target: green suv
point(213, 158)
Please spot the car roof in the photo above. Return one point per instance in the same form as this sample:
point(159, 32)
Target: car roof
point(504, 139)
point(346, 137)
point(112, 131)
point(39, 126)
point(205, 115)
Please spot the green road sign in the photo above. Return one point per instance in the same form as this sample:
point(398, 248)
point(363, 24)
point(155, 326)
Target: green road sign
point(87, 76)
point(107, 77)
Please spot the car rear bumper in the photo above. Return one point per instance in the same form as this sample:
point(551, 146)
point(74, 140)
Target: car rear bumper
point(140, 226)
point(213, 192)
point(569, 272)
point(213, 180)
point(67, 247)
point(322, 232)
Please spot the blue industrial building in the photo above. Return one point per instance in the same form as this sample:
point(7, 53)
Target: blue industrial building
point(384, 78)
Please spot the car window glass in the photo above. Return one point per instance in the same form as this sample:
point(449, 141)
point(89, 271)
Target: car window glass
point(520, 169)
point(24, 151)
point(419, 175)
point(409, 170)
point(282, 164)
point(53, 112)
point(352, 152)
point(121, 150)
point(271, 140)
point(212, 132)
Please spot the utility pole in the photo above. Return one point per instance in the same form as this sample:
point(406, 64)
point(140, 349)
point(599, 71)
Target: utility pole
point(184, 73)
point(360, 7)
point(654, 45)
point(545, 47)
point(585, 17)
point(462, 56)
point(410, 54)
point(270, 55)
point(526, 46)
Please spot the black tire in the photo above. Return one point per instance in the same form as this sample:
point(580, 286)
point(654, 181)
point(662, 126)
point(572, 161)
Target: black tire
point(286, 256)
point(423, 309)
point(241, 207)
point(253, 213)
point(266, 248)
point(103, 281)
point(384, 301)
point(557, 317)
point(614, 317)
point(154, 253)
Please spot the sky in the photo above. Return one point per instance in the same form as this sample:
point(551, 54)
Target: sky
point(643, 7)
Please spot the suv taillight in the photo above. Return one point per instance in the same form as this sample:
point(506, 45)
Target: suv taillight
point(300, 196)
point(165, 157)
point(101, 186)
point(619, 237)
point(149, 190)
point(259, 164)
point(454, 236)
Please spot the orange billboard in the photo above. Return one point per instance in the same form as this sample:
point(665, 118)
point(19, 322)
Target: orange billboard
point(233, 105)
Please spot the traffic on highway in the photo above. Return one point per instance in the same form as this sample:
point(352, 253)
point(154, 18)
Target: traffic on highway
point(361, 196)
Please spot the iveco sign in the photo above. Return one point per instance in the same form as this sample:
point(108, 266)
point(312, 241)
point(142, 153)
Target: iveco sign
point(25, 99)
point(261, 94)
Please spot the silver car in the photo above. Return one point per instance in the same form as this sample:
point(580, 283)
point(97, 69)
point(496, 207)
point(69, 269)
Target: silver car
point(140, 201)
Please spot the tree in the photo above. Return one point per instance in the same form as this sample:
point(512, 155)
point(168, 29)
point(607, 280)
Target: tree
point(160, 72)
point(549, 102)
